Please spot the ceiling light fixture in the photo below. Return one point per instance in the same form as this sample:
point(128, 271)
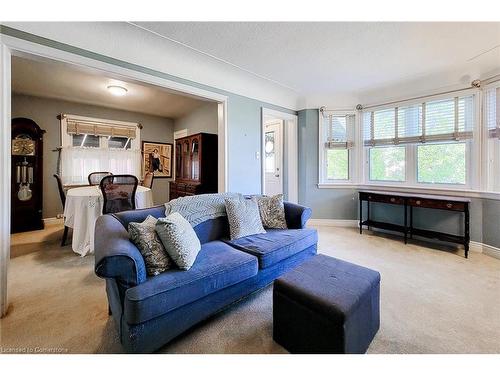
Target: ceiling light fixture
point(117, 90)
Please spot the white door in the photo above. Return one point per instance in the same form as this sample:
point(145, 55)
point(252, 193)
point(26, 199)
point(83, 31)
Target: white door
point(273, 157)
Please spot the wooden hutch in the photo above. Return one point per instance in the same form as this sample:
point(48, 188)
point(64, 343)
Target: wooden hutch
point(195, 165)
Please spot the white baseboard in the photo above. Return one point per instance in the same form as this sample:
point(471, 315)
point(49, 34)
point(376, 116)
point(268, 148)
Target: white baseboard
point(477, 247)
point(333, 223)
point(53, 221)
point(491, 251)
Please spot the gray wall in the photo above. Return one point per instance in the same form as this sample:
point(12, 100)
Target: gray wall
point(326, 203)
point(491, 222)
point(202, 119)
point(44, 111)
point(243, 115)
point(343, 203)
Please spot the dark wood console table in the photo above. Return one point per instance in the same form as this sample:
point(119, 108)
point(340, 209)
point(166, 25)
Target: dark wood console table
point(409, 201)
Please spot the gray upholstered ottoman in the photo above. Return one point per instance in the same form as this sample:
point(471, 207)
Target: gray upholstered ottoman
point(326, 305)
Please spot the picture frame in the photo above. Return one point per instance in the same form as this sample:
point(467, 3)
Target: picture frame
point(157, 158)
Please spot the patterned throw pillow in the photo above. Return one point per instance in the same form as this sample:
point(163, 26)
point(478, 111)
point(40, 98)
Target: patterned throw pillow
point(144, 236)
point(243, 216)
point(272, 211)
point(179, 239)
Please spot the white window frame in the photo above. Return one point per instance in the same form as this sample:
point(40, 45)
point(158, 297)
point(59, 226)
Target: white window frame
point(67, 139)
point(479, 180)
point(473, 154)
point(490, 148)
point(352, 152)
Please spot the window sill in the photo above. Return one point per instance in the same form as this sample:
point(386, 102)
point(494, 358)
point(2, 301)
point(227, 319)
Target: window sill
point(416, 189)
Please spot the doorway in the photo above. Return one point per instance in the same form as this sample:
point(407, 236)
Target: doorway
point(11, 46)
point(273, 157)
point(280, 154)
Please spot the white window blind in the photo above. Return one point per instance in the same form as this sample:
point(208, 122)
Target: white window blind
point(339, 130)
point(492, 109)
point(448, 119)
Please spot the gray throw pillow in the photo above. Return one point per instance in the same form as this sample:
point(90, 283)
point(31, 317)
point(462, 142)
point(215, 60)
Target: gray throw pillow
point(144, 236)
point(272, 211)
point(179, 239)
point(243, 216)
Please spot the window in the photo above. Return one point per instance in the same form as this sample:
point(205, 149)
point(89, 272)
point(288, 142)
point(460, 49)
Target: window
point(442, 163)
point(85, 140)
point(423, 143)
point(387, 163)
point(270, 152)
point(119, 143)
point(336, 143)
point(90, 145)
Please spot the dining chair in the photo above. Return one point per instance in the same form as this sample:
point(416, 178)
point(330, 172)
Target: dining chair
point(62, 195)
point(96, 177)
point(118, 192)
point(148, 180)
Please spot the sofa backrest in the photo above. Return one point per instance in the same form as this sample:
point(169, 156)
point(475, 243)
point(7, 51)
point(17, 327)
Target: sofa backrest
point(207, 231)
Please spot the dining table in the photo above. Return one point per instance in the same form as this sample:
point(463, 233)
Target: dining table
point(84, 205)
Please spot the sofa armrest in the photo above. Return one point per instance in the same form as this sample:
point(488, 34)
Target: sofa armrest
point(296, 215)
point(115, 256)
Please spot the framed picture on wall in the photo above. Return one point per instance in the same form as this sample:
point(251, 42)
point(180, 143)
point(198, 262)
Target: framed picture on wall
point(157, 158)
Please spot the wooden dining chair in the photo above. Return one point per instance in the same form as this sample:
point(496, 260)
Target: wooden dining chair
point(118, 192)
point(62, 195)
point(96, 177)
point(148, 180)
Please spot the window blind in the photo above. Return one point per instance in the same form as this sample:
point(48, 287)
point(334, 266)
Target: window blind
point(448, 119)
point(492, 111)
point(99, 128)
point(339, 129)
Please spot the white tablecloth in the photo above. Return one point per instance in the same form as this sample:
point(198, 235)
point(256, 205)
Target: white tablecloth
point(84, 206)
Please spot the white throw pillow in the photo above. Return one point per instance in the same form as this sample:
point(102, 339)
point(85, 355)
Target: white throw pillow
point(179, 239)
point(244, 217)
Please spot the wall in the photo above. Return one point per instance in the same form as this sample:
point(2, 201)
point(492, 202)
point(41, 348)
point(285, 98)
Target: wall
point(146, 50)
point(326, 203)
point(202, 119)
point(243, 112)
point(343, 203)
point(44, 111)
point(491, 222)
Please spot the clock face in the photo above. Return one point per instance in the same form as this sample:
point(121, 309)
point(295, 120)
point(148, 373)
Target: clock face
point(23, 145)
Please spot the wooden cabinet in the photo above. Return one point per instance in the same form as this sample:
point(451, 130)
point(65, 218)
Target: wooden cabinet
point(195, 165)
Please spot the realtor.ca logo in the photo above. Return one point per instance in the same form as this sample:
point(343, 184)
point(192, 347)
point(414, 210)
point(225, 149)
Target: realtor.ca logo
point(32, 350)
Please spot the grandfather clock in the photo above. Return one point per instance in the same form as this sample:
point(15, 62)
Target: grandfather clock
point(27, 173)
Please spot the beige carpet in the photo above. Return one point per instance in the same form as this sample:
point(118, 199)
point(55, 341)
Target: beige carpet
point(432, 301)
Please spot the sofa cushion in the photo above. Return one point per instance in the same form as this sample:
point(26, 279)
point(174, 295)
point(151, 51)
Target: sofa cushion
point(244, 217)
point(179, 239)
point(217, 266)
point(144, 236)
point(276, 244)
point(272, 211)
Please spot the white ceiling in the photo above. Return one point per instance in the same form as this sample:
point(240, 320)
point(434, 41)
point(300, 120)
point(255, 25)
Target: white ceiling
point(51, 79)
point(342, 58)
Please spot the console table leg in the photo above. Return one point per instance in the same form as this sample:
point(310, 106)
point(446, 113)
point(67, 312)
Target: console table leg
point(406, 224)
point(368, 213)
point(411, 222)
point(466, 230)
point(360, 216)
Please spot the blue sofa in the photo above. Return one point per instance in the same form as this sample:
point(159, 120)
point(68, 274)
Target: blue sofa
point(151, 311)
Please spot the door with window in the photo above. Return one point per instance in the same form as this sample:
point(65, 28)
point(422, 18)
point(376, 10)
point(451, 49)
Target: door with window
point(273, 157)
